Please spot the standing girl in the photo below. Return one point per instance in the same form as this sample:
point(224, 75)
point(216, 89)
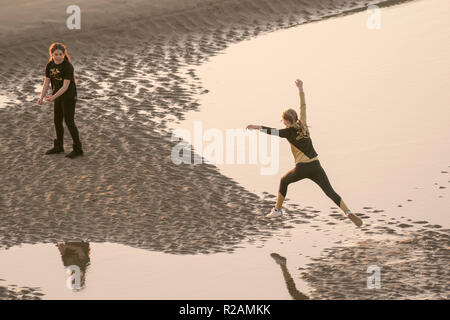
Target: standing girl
point(307, 164)
point(59, 72)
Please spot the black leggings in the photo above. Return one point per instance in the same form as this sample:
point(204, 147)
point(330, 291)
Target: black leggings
point(65, 109)
point(313, 171)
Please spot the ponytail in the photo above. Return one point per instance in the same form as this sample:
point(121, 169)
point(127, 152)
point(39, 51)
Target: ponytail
point(291, 116)
point(301, 127)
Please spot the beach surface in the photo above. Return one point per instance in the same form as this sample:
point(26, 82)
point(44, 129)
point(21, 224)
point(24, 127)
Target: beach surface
point(136, 64)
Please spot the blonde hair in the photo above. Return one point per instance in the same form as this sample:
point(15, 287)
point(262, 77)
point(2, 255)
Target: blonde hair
point(291, 116)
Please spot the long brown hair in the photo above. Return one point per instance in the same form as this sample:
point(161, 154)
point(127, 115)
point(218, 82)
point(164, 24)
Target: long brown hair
point(60, 46)
point(291, 116)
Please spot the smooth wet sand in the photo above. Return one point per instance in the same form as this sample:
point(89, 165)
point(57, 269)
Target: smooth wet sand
point(125, 190)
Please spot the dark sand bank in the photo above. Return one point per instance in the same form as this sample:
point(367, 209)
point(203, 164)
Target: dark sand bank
point(14, 292)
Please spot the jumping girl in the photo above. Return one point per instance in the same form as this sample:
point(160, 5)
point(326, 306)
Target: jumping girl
point(307, 164)
point(60, 72)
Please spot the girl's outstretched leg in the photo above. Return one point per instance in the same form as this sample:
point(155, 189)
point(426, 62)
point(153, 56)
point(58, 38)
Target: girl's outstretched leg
point(320, 177)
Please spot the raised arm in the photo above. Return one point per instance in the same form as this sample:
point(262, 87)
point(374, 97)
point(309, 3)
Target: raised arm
point(301, 93)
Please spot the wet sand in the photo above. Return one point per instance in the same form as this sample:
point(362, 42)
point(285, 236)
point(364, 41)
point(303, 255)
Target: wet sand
point(12, 291)
point(134, 77)
point(411, 268)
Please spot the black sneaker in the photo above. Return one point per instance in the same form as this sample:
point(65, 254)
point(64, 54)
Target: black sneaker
point(77, 151)
point(57, 148)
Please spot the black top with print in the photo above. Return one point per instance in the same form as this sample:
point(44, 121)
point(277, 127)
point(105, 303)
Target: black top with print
point(57, 73)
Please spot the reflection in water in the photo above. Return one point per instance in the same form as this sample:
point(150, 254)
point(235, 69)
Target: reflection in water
point(76, 253)
point(296, 295)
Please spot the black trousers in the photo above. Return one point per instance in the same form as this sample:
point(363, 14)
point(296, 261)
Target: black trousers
point(313, 171)
point(65, 109)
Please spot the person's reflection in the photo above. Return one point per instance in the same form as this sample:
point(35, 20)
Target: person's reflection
point(296, 295)
point(76, 253)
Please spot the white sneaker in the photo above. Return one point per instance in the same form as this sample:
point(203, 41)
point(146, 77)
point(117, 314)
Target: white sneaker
point(274, 213)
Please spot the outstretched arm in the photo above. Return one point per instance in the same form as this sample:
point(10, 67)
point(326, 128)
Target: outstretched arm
point(283, 133)
point(301, 93)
